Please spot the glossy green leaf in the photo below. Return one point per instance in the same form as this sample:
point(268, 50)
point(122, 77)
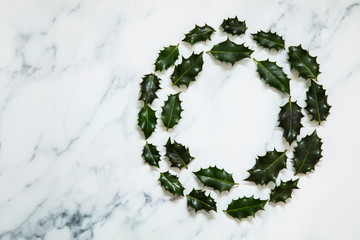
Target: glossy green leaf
point(199, 34)
point(230, 52)
point(273, 75)
point(178, 154)
point(149, 87)
point(171, 183)
point(216, 178)
point(198, 200)
point(290, 120)
point(303, 62)
point(147, 121)
point(269, 40)
point(283, 191)
point(167, 57)
point(171, 111)
point(151, 154)
point(187, 70)
point(234, 26)
point(245, 207)
point(316, 102)
point(307, 153)
point(267, 168)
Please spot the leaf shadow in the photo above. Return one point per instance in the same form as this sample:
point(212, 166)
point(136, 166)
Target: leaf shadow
point(176, 170)
point(295, 76)
point(248, 220)
point(280, 204)
point(234, 38)
point(152, 168)
point(311, 123)
point(285, 143)
point(140, 105)
point(187, 45)
point(173, 198)
point(192, 213)
point(162, 127)
point(224, 193)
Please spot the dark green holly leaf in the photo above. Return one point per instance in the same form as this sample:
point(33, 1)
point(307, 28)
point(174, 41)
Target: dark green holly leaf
point(269, 40)
point(167, 57)
point(147, 121)
point(283, 191)
point(171, 183)
point(216, 178)
point(231, 52)
point(316, 102)
point(245, 207)
point(199, 34)
point(290, 120)
point(151, 154)
point(187, 70)
point(171, 111)
point(178, 154)
point(267, 168)
point(307, 153)
point(305, 64)
point(198, 200)
point(149, 86)
point(273, 75)
point(234, 26)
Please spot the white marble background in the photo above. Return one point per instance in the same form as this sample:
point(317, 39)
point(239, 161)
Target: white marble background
point(70, 153)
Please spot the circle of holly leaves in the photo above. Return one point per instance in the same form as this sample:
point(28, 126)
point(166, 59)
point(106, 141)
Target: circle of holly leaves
point(306, 153)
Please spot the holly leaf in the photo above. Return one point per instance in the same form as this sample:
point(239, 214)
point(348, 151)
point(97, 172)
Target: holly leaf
point(234, 26)
point(171, 183)
point(269, 40)
point(187, 70)
point(171, 111)
point(151, 154)
point(167, 57)
point(147, 121)
point(307, 153)
point(245, 207)
point(303, 62)
point(231, 52)
point(198, 200)
point(149, 86)
point(273, 75)
point(267, 168)
point(199, 34)
point(216, 178)
point(178, 154)
point(283, 191)
point(290, 120)
point(316, 102)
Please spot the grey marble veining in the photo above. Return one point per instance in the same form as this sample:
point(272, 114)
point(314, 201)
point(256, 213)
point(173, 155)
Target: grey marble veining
point(70, 148)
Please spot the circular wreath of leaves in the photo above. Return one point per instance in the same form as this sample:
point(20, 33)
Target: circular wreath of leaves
point(306, 153)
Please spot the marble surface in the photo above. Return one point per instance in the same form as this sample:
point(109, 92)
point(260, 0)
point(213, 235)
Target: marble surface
point(70, 148)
